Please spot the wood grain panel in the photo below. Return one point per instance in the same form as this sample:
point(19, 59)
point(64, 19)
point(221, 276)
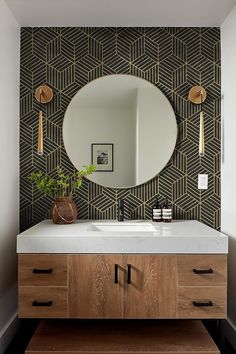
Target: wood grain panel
point(216, 351)
point(153, 289)
point(92, 290)
point(186, 264)
point(186, 296)
point(28, 262)
point(28, 294)
point(121, 337)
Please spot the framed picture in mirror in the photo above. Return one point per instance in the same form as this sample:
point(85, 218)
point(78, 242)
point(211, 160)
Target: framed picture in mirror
point(102, 156)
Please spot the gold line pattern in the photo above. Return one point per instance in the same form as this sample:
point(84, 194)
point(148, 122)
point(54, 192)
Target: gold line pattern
point(173, 59)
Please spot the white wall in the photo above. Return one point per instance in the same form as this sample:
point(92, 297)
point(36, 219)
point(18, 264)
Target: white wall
point(156, 132)
point(114, 125)
point(9, 176)
point(228, 184)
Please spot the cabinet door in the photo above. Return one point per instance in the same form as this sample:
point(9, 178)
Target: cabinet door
point(150, 286)
point(95, 286)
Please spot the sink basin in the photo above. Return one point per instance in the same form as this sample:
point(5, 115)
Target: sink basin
point(122, 227)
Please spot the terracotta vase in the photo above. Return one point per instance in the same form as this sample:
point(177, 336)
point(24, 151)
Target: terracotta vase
point(64, 211)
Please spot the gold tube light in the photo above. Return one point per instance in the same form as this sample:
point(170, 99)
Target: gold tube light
point(43, 95)
point(201, 136)
point(40, 134)
point(197, 95)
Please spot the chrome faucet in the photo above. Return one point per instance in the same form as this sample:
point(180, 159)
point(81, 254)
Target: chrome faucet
point(121, 209)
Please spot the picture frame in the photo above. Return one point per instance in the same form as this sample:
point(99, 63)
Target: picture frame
point(102, 157)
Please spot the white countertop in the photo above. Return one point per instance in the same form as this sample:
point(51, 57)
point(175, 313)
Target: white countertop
point(82, 237)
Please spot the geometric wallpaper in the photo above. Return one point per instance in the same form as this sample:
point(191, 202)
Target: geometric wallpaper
point(173, 59)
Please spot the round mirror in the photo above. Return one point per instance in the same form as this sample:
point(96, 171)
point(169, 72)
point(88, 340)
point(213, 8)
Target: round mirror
point(122, 124)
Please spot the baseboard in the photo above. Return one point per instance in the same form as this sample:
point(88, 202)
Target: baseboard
point(8, 332)
point(228, 332)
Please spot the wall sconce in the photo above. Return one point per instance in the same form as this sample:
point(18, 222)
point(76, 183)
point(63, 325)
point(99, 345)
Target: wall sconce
point(197, 95)
point(43, 94)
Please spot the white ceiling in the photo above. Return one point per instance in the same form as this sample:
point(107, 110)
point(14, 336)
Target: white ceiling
point(120, 12)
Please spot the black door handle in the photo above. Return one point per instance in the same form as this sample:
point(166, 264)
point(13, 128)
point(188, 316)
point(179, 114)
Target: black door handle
point(129, 274)
point(203, 271)
point(116, 274)
point(41, 304)
point(203, 304)
point(42, 271)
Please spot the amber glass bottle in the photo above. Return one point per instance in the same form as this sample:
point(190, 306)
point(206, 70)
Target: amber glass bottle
point(166, 212)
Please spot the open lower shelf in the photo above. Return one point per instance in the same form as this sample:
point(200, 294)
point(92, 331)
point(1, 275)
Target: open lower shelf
point(121, 337)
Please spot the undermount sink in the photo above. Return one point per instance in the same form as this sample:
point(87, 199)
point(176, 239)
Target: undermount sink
point(122, 227)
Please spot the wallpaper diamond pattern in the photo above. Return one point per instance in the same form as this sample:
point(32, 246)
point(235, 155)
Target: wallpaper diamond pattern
point(173, 59)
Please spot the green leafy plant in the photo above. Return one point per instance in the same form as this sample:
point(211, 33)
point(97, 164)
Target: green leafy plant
point(63, 185)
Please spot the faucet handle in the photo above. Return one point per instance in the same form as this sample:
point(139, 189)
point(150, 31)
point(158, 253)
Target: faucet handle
point(121, 212)
point(121, 202)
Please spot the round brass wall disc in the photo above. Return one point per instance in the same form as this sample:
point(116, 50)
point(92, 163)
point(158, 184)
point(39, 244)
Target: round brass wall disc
point(194, 94)
point(46, 94)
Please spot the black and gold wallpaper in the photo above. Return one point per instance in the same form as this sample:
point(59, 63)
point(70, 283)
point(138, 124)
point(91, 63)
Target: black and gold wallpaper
point(174, 59)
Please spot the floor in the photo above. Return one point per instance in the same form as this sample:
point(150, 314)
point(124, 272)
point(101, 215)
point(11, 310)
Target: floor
point(28, 327)
point(213, 327)
point(228, 349)
point(22, 338)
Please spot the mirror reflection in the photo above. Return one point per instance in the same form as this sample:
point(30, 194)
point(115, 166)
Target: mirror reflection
point(122, 124)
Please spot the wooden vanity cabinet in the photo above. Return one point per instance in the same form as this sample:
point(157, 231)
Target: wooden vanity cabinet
point(150, 286)
point(202, 286)
point(116, 286)
point(122, 286)
point(95, 286)
point(42, 286)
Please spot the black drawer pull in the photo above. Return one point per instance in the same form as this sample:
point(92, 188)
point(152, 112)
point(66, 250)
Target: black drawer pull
point(203, 304)
point(129, 274)
point(116, 274)
point(203, 271)
point(42, 271)
point(41, 304)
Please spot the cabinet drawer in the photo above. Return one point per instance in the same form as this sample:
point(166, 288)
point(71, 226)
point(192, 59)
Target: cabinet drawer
point(38, 269)
point(200, 270)
point(193, 302)
point(42, 302)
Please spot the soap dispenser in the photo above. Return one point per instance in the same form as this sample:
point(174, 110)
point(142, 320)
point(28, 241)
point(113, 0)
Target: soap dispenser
point(156, 211)
point(166, 212)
